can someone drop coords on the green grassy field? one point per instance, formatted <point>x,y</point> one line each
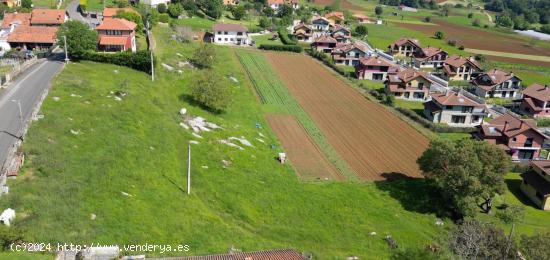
<point>266,39</point>
<point>136,146</point>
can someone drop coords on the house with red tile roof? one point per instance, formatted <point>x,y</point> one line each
<point>320,23</point>
<point>455,108</point>
<point>33,37</point>
<point>362,18</point>
<point>278,254</point>
<point>341,33</point>
<point>404,47</point>
<point>335,18</point>
<point>48,17</point>
<point>429,57</point>
<point>497,83</point>
<point>373,68</point>
<point>324,43</point>
<point>303,32</point>
<point>536,183</point>
<point>408,84</point>
<point>518,137</point>
<point>460,68</point>
<point>536,101</point>
<point>116,35</point>
<point>348,54</point>
<point>225,33</point>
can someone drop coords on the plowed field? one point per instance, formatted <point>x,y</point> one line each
<point>308,160</point>
<point>371,140</point>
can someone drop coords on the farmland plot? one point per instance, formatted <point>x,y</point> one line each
<point>371,139</point>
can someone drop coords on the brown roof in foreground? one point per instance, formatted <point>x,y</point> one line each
<point>457,61</point>
<point>48,16</point>
<point>324,39</point>
<point>375,61</point>
<point>21,18</point>
<point>514,125</point>
<point>542,165</point>
<point>536,181</point>
<point>454,98</point>
<point>33,34</point>
<point>281,254</point>
<point>407,75</point>
<point>403,41</point>
<point>116,24</point>
<point>538,91</point>
<point>229,27</point>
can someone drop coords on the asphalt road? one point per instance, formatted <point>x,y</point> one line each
<point>28,88</point>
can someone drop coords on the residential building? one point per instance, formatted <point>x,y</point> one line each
<point>116,34</point>
<point>518,137</point>
<point>460,68</point>
<point>497,83</point>
<point>373,68</point>
<point>341,33</point>
<point>324,43</point>
<point>275,4</point>
<point>303,32</point>
<point>536,101</point>
<point>154,3</point>
<point>11,3</point>
<point>362,18</point>
<point>319,23</point>
<point>278,254</point>
<point>404,47</point>
<point>17,31</point>
<point>429,57</point>
<point>408,84</point>
<point>348,54</point>
<point>335,18</point>
<point>536,183</point>
<point>405,8</point>
<point>48,17</point>
<point>455,108</point>
<point>230,34</point>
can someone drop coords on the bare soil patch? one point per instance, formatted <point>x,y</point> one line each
<point>367,136</point>
<point>474,38</point>
<point>306,157</point>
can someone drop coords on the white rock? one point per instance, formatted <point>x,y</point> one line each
<point>193,142</point>
<point>231,144</point>
<point>75,132</point>
<point>373,233</point>
<point>126,194</point>
<point>260,140</point>
<point>55,99</point>
<point>118,99</point>
<point>115,71</point>
<point>234,79</point>
<point>196,135</point>
<point>186,127</point>
<point>242,140</point>
<point>167,67</point>
<point>93,216</point>
<point>205,167</point>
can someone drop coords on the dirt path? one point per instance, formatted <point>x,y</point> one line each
<point>308,160</point>
<point>371,139</point>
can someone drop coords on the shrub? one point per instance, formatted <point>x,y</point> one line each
<point>470,15</point>
<point>283,35</point>
<point>211,91</point>
<point>476,22</point>
<point>140,60</point>
<point>461,47</point>
<point>175,10</point>
<point>80,39</point>
<point>272,47</point>
<point>378,10</point>
<point>164,18</point>
<point>361,30</point>
<point>204,56</point>
<point>452,42</point>
<point>162,8</point>
<point>439,35</point>
<point>427,19</point>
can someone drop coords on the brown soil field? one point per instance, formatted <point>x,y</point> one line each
<point>344,5</point>
<point>306,157</point>
<point>479,39</point>
<point>372,140</point>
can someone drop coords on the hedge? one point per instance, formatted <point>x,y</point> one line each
<point>327,60</point>
<point>140,60</point>
<point>283,35</point>
<point>439,128</point>
<point>272,47</point>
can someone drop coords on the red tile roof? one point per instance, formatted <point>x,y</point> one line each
<point>457,61</point>
<point>281,254</point>
<point>495,77</point>
<point>538,91</point>
<point>428,52</point>
<point>271,2</point>
<point>33,34</point>
<point>375,61</point>
<point>48,16</point>
<point>404,41</point>
<point>407,75</point>
<point>324,39</point>
<point>229,27</point>
<point>20,18</point>
<point>116,24</point>
<point>112,40</point>
<point>339,15</point>
<point>455,99</point>
<point>514,125</point>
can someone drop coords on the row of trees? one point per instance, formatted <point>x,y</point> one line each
<point>530,11</point>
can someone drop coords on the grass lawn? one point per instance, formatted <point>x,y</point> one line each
<point>266,39</point>
<point>454,136</point>
<point>136,146</point>
<point>97,5</point>
<point>46,3</point>
<point>196,22</point>
<point>26,256</point>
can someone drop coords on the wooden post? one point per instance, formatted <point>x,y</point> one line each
<point>189,169</point>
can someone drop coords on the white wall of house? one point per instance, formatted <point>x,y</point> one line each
<point>508,89</point>
<point>154,3</point>
<point>228,37</point>
<point>456,116</point>
<point>320,26</point>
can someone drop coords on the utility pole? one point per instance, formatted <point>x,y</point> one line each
<point>189,169</point>
<point>18,101</point>
<point>510,238</point>
<point>66,55</point>
<point>152,65</point>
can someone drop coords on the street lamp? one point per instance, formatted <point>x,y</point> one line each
<point>18,101</point>
<point>66,55</point>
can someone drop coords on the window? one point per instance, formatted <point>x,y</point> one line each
<point>514,139</point>
<point>528,142</point>
<point>225,33</point>
<point>466,109</point>
<point>449,107</point>
<point>458,119</point>
<point>420,85</point>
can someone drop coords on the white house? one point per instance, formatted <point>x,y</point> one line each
<point>319,23</point>
<point>230,34</point>
<point>154,3</point>
<point>497,83</point>
<point>456,109</point>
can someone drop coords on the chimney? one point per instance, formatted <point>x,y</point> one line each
<point>545,86</point>
<point>520,124</point>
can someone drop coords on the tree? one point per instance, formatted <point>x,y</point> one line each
<point>190,6</point>
<point>285,11</point>
<point>175,10</point>
<point>264,22</point>
<point>476,22</point>
<point>9,235</point>
<point>535,246</point>
<point>474,240</point>
<point>378,10</point>
<point>26,4</point>
<point>80,38</point>
<point>427,19</point>
<point>467,173</point>
<point>504,20</point>
<point>361,30</point>
<point>238,12</point>
<point>212,8</point>
<point>204,56</point>
<point>545,28</point>
<point>511,214</point>
<point>162,8</point>
<point>211,91</point>
<point>131,16</point>
<point>439,35</point>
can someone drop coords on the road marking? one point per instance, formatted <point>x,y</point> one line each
<point>14,88</point>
